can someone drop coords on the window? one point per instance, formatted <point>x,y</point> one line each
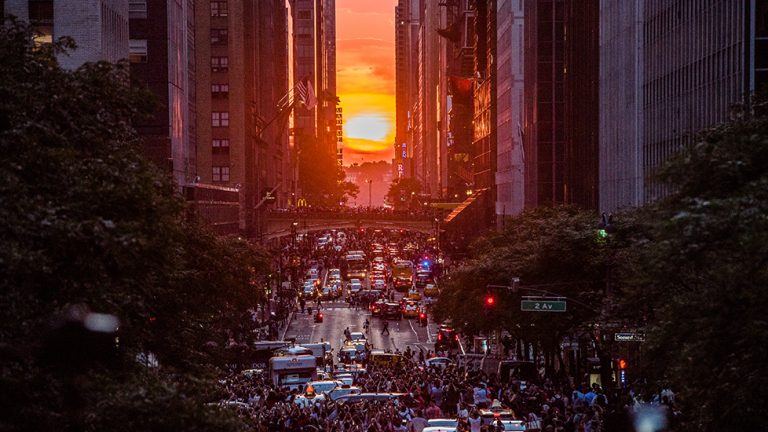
<point>219,146</point>
<point>219,8</point>
<point>137,50</point>
<point>219,36</point>
<point>219,90</point>
<point>220,174</point>
<point>220,119</point>
<point>219,64</point>
<point>137,9</point>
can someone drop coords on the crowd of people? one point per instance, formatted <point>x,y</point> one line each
<point>429,393</point>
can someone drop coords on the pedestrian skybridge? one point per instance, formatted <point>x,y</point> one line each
<point>279,224</point>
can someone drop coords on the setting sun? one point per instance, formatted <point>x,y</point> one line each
<point>374,127</point>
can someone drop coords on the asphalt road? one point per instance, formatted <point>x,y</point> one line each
<point>338,316</point>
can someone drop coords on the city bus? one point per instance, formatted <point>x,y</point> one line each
<point>402,275</point>
<point>357,267</point>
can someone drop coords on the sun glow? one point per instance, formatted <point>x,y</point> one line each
<point>373,127</point>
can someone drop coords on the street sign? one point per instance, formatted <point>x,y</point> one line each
<point>542,304</point>
<point>629,337</point>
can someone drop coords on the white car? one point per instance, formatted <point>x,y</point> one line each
<point>345,378</point>
<point>357,337</point>
<point>443,422</point>
<point>440,362</point>
<point>355,286</point>
<point>379,284</point>
<point>324,386</point>
<point>343,391</point>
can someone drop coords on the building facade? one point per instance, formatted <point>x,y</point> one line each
<point>98,27</point>
<point>670,69</point>
<point>162,56</point>
<point>510,191</point>
<point>621,120</point>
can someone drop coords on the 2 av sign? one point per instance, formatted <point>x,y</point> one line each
<point>532,304</point>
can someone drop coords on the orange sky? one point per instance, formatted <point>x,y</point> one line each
<point>365,77</point>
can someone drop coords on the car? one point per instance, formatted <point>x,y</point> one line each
<point>357,337</point>
<point>440,362</point>
<point>371,397</point>
<point>443,422</point>
<point>343,390</point>
<point>411,309</point>
<point>349,354</point>
<point>414,294</point>
<point>377,307</point>
<point>355,286</point>
<point>334,273</point>
<point>309,398</point>
<point>431,290</point>
<point>347,379</point>
<point>438,429</point>
<point>391,311</point>
<point>379,284</point>
<point>324,386</point>
<point>447,338</point>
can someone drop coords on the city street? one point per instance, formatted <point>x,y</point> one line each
<point>338,316</point>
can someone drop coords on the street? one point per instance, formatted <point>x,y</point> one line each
<point>338,316</point>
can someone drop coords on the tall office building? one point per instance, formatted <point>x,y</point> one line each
<point>561,109</point>
<point>426,147</point>
<point>510,192</point>
<point>456,58</point>
<point>314,61</point>
<point>581,118</point>
<point>162,56</point>
<point>484,132</point>
<point>240,76</point>
<point>98,27</point>
<point>407,25</point>
<point>621,102</point>
<point>671,69</point>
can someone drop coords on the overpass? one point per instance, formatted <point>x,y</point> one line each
<point>279,224</point>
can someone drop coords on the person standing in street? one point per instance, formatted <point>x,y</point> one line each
<point>385,328</point>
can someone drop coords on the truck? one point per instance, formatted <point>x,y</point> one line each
<point>293,372</point>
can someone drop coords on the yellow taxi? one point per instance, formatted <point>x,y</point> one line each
<point>431,290</point>
<point>411,309</point>
<point>414,294</point>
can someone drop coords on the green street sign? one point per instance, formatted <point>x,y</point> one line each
<point>532,304</point>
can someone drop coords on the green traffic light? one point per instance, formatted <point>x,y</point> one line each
<point>602,233</point>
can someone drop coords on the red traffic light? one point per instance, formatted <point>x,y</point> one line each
<point>490,300</point>
<point>622,364</point>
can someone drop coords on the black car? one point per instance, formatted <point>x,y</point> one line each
<point>391,311</point>
<point>447,339</point>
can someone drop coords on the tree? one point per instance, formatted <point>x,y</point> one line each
<point>403,191</point>
<point>554,249</point>
<point>696,273</point>
<point>89,225</point>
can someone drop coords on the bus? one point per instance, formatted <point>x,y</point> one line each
<point>293,372</point>
<point>357,267</point>
<point>402,275</point>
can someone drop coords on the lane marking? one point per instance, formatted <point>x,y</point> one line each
<point>414,330</point>
<point>429,335</point>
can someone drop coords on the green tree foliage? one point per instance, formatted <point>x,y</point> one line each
<point>697,273</point>
<point>403,191</point>
<point>86,221</point>
<point>552,249</point>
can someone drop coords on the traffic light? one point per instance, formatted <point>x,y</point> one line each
<point>490,300</point>
<point>622,364</point>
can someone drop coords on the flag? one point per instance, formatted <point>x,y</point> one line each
<point>305,94</point>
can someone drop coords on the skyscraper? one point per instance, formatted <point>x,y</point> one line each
<point>407,24</point>
<point>98,27</point>
<point>668,70</point>
<point>241,76</point>
<point>510,198</point>
<point>162,56</point>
